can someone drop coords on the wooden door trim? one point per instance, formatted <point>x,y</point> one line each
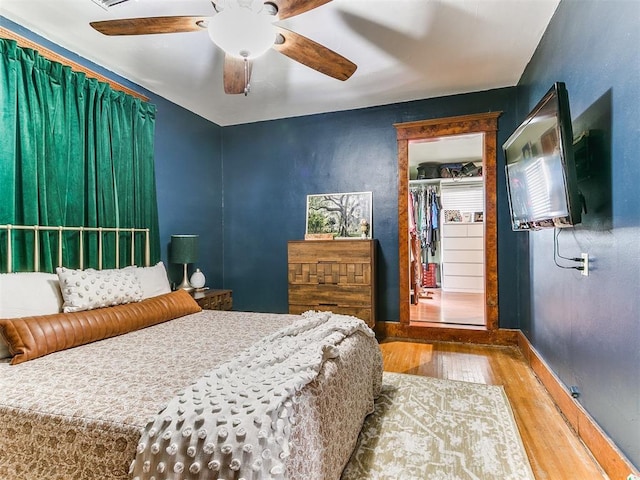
<point>487,124</point>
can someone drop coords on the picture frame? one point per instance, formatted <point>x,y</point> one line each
<point>452,216</point>
<point>478,217</point>
<point>339,215</point>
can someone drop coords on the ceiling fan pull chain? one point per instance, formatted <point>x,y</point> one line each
<point>246,77</point>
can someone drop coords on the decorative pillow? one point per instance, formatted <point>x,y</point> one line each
<point>89,289</point>
<point>154,280</point>
<point>27,294</point>
<point>33,337</point>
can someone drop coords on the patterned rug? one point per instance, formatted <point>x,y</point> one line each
<point>428,428</point>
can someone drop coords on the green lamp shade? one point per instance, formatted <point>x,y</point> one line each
<point>184,248</point>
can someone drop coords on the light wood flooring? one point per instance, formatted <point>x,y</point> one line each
<point>554,450</point>
<point>436,307</point>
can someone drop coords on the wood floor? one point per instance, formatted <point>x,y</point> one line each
<point>438,307</point>
<point>554,450</point>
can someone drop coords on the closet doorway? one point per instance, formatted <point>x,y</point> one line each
<point>448,263</point>
<point>446,231</point>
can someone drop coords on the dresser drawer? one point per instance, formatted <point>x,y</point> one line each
<point>330,295</point>
<point>330,273</point>
<point>463,269</point>
<point>463,256</point>
<point>358,312</point>
<point>331,251</point>
<point>476,230</point>
<point>455,283</point>
<point>451,230</point>
<point>463,243</point>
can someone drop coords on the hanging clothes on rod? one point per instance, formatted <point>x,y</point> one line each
<point>425,203</point>
<point>424,206</point>
<point>415,250</point>
<point>434,216</point>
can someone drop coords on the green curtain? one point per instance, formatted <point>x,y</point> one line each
<point>73,152</point>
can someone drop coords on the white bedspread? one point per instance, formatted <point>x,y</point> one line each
<point>252,399</point>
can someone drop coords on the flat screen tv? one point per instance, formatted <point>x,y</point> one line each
<point>540,168</point>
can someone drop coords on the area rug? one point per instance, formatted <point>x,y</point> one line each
<point>428,428</point>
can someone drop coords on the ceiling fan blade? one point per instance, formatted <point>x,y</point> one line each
<point>291,8</point>
<point>313,55</point>
<point>150,25</point>
<point>236,79</point>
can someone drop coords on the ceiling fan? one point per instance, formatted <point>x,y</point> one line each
<point>244,29</point>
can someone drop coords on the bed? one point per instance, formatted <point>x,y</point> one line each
<point>165,390</point>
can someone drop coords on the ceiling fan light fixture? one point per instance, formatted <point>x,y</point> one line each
<point>242,32</point>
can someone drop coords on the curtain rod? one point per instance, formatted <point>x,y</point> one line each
<point>53,56</point>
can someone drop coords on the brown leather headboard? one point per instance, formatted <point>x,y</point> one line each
<point>33,337</point>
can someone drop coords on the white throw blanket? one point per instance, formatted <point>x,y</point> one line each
<point>235,422</point>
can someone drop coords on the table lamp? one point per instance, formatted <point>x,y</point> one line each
<point>184,250</point>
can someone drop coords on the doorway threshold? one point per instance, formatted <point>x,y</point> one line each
<point>443,325</point>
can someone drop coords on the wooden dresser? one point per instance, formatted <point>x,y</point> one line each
<point>463,257</point>
<point>335,275</point>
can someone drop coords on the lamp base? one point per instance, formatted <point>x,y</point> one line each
<point>185,285</point>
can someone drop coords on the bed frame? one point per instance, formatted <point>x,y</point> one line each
<point>39,231</point>
<point>109,414</point>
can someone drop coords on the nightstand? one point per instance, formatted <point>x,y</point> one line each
<point>214,299</point>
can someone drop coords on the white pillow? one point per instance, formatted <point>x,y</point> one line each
<point>27,294</point>
<point>154,280</point>
<point>89,289</point>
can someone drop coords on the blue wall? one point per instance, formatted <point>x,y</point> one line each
<point>189,185</point>
<point>188,169</point>
<point>588,328</point>
<point>270,168</point>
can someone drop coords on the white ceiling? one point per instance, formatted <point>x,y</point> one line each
<point>405,50</point>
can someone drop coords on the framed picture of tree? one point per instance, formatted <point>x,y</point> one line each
<point>339,215</point>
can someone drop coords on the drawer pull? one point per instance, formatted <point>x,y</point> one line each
<point>328,304</point>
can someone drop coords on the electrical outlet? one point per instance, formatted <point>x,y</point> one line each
<point>585,264</point>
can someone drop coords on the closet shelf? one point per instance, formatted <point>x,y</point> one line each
<point>425,181</point>
<point>438,181</point>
